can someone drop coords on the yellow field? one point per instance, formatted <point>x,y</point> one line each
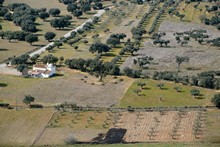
<point>22,127</point>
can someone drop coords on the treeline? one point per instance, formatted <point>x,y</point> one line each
<point>183,38</point>
<point>94,67</point>
<point>207,79</point>
<point>77,8</point>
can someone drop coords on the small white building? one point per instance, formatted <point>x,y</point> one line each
<point>43,71</point>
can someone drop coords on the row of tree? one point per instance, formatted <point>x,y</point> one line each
<point>19,35</point>
<point>94,67</point>
<point>204,79</point>
<point>77,8</point>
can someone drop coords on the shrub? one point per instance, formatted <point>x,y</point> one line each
<point>216,100</point>
<point>4,105</point>
<point>71,140</point>
<point>36,106</point>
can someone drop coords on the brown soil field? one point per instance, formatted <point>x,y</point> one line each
<point>22,127</point>
<point>139,126</point>
<point>73,87</point>
<point>202,57</point>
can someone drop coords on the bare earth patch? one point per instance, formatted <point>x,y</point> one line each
<point>202,57</point>
<point>138,126</point>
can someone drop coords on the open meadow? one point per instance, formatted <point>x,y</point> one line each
<point>71,86</point>
<point>17,48</point>
<point>125,76</point>
<point>22,127</point>
<point>151,95</point>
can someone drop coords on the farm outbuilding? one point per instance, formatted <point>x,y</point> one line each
<point>43,71</point>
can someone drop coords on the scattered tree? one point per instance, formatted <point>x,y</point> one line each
<point>31,38</point>
<point>195,92</point>
<point>99,47</point>
<point>180,60</point>
<point>160,85</point>
<point>49,36</point>
<point>28,100</point>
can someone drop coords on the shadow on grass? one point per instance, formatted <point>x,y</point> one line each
<point>146,88</point>
<point>141,94</point>
<point>58,75</point>
<point>3,49</point>
<point>200,96</point>
<point>109,54</point>
<point>3,85</point>
<point>82,18</point>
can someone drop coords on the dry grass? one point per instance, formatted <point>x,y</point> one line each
<point>201,56</point>
<point>192,14</point>
<point>81,120</point>
<point>213,126</point>
<point>151,94</point>
<point>83,51</point>
<point>70,88</point>
<point>65,125</point>
<point>11,49</point>
<point>22,127</point>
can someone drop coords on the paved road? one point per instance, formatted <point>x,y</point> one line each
<point>12,71</point>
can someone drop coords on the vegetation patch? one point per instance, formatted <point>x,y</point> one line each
<point>161,93</point>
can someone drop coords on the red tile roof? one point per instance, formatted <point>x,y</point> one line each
<point>40,65</point>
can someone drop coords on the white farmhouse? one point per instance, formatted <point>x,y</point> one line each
<point>43,71</point>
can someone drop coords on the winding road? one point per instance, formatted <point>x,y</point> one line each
<point>12,71</point>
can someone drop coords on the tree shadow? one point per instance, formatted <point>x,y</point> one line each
<point>200,96</point>
<point>164,88</point>
<point>146,88</point>
<point>57,75</point>
<point>3,85</point>
<point>37,24</point>
<point>141,94</point>
<point>82,18</point>
<point>3,49</point>
<point>38,45</point>
<point>109,54</point>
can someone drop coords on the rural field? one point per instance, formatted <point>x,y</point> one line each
<point>201,56</point>
<point>151,95</point>
<point>10,49</point>
<point>121,73</point>
<point>80,88</point>
<point>22,127</point>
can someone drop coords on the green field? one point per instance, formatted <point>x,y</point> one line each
<point>151,94</point>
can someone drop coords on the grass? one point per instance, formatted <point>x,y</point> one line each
<point>22,127</point>
<point>80,121</point>
<point>213,126</point>
<point>149,145</point>
<point>83,51</point>
<point>151,94</point>
<point>68,51</point>
<point>69,87</point>
<point>192,14</point>
<point>18,48</point>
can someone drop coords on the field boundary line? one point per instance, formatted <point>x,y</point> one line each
<point>41,132</point>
